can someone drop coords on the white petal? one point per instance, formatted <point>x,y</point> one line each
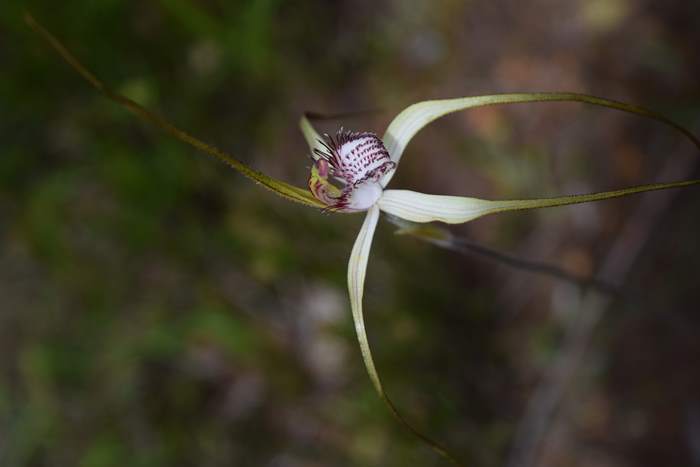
<point>357,267</point>
<point>419,207</point>
<point>412,119</point>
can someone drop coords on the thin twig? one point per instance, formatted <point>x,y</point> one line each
<point>546,399</point>
<point>444,239</point>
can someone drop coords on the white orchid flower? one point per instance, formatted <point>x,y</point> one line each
<point>363,164</point>
<point>350,173</point>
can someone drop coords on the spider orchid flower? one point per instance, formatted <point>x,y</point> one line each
<point>358,161</point>
<point>363,165</point>
<point>350,173</point>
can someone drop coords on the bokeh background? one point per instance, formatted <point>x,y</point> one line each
<point>157,309</point>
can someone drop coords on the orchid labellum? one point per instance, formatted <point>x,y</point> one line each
<point>350,172</point>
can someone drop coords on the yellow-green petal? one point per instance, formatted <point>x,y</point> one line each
<point>421,207</point>
<point>415,117</point>
<point>313,139</point>
<point>284,189</point>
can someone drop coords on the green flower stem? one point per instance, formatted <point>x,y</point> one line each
<point>290,192</point>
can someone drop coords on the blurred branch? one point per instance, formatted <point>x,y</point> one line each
<point>443,238</point>
<point>542,408</point>
<point>600,292</point>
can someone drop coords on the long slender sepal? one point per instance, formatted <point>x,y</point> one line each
<point>421,207</point>
<point>291,192</point>
<point>357,268</point>
<point>415,117</point>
